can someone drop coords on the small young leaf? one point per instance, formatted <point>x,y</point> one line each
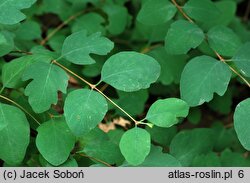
<point>42,90</point>
<point>242,59</point>
<point>83,110</point>
<point>202,11</point>
<point>182,36</point>
<point>155,12</point>
<point>55,141</point>
<point>15,134</point>
<point>77,47</point>
<point>201,78</point>
<point>130,71</point>
<point>165,113</point>
<point>223,40</point>
<point>241,123</point>
<point>135,145</point>
<point>10,10</point>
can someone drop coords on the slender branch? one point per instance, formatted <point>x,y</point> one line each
<point>95,159</point>
<point>181,11</point>
<point>59,27</point>
<point>21,51</point>
<point>232,69</point>
<point>94,88</point>
<point>74,74</point>
<point>111,101</point>
<point>217,54</point>
<point>9,100</point>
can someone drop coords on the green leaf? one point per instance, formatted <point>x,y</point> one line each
<point>12,72</point>
<point>228,8</point>
<point>15,134</point>
<point>171,65</point>
<point>104,150</point>
<point>157,158</point>
<point>117,18</point>
<point>47,80</point>
<point>223,40</point>
<point>155,12</point>
<point>188,144</point>
<point>83,110</point>
<point>10,10</point>
<point>233,159</point>
<point>222,104</point>
<point>77,47</point>
<point>182,36</point>
<point>135,145</point>
<point>201,78</point>
<point>241,122</point>
<point>242,59</point>
<point>92,22</point>
<point>71,162</point>
<point>202,11</point>
<point>29,30</point>
<point>165,112</point>
<point>130,71</point>
<point>224,138</point>
<point>206,160</point>
<point>55,141</point>
<point>6,42</point>
<point>162,136</point>
<point>150,33</point>
<point>133,103</point>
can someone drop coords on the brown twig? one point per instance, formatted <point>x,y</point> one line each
<point>181,11</point>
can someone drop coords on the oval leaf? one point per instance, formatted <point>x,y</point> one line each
<point>83,110</point>
<point>223,40</point>
<point>201,78</point>
<point>182,36</point>
<point>203,11</point>
<point>15,134</point>
<point>165,113</point>
<point>241,123</point>
<point>77,47</point>
<point>135,145</point>
<point>55,141</point>
<point>156,12</point>
<point>130,71</point>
